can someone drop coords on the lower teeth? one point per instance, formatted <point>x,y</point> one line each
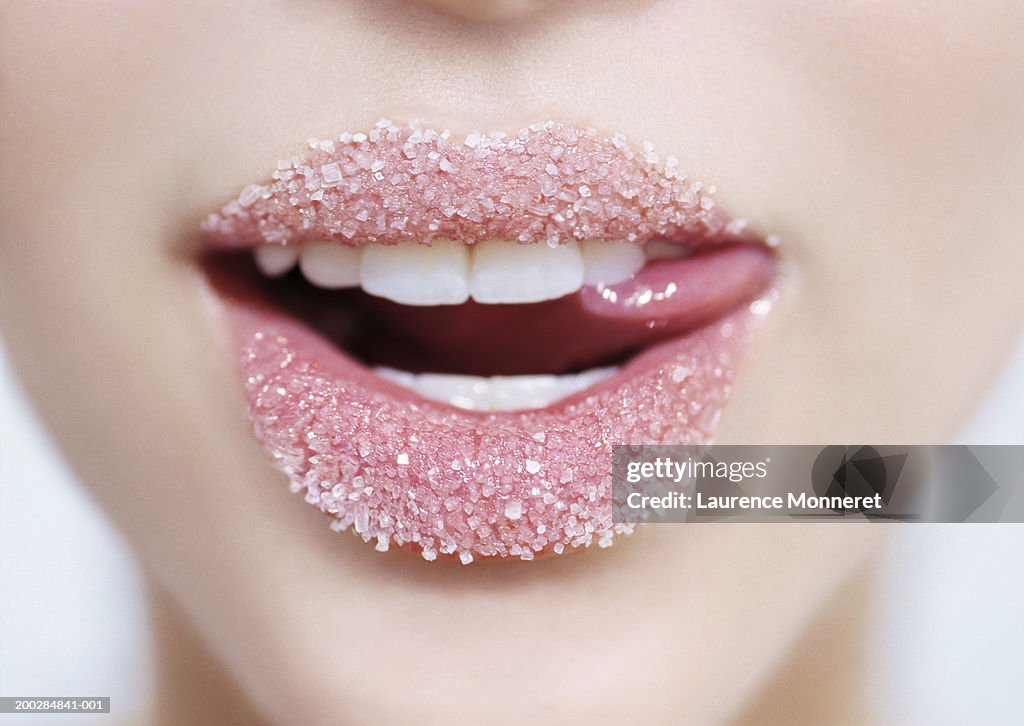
<point>496,393</point>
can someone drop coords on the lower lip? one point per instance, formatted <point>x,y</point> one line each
<point>399,470</point>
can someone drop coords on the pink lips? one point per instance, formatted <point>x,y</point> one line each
<point>550,182</point>
<point>400,470</point>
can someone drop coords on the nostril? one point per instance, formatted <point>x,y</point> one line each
<point>487,9</point>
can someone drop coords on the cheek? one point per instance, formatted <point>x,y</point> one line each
<point>882,142</point>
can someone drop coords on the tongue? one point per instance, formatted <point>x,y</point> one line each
<point>590,328</point>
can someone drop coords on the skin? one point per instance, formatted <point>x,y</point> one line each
<point>881,141</point>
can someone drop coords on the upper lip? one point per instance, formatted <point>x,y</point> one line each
<point>550,182</point>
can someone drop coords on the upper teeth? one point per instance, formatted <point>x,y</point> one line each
<point>414,274</point>
<point>606,264</point>
<point>449,273</point>
<point>276,260</point>
<point>513,273</point>
<point>330,266</point>
<point>662,249</point>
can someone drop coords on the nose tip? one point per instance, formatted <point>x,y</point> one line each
<point>487,9</point>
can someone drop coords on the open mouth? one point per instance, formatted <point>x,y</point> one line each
<point>442,338</point>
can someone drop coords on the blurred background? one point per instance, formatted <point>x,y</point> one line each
<point>946,648</point>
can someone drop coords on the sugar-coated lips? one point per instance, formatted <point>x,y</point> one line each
<point>400,468</point>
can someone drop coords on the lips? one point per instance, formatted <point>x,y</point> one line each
<point>440,338</point>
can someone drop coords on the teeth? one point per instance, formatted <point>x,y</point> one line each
<point>275,260</point>
<point>606,263</point>
<point>330,265</point>
<point>497,393</point>
<point>449,273</point>
<point>662,249</point>
<point>504,272</point>
<point>414,274</point>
